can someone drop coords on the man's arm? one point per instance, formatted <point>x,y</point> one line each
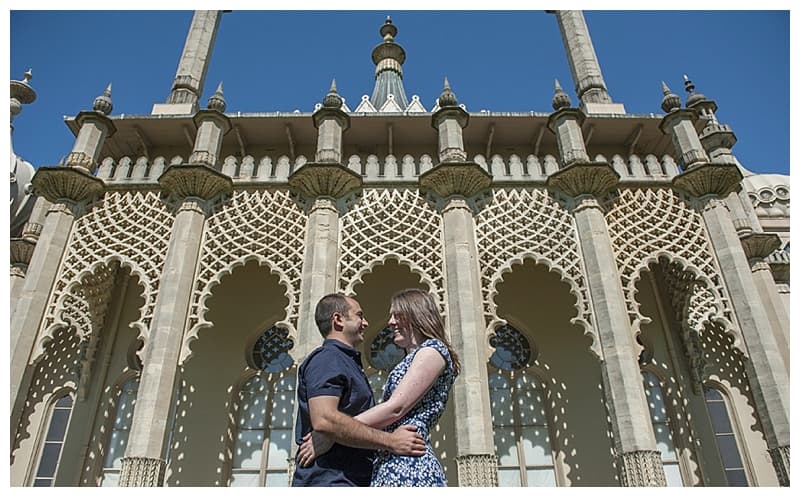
<point>328,420</point>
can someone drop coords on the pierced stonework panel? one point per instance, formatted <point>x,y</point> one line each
<point>517,224</point>
<point>391,223</point>
<point>646,224</point>
<point>264,225</point>
<point>127,228</point>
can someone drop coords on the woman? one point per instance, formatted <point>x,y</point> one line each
<point>415,393</point>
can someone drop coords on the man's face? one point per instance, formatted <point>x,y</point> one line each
<point>354,324</point>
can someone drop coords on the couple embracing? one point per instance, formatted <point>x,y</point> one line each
<point>343,437</point>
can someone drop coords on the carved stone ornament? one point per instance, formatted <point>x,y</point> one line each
<point>316,179</point>
<point>142,472</point>
<point>60,182</point>
<point>477,470</point>
<point>709,179</point>
<point>21,250</point>
<point>91,115</point>
<point>780,461</point>
<point>456,178</point>
<point>759,245</point>
<point>194,180</point>
<point>582,178</point>
<point>642,468</point>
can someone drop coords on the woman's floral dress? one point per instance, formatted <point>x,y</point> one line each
<point>426,471</point>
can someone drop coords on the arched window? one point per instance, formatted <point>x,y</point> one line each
<point>519,414</point>
<point>264,407</point>
<point>383,356</point>
<point>118,439</point>
<point>726,439</point>
<point>50,454</point>
<point>660,419</point>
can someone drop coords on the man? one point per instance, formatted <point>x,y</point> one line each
<point>331,388</point>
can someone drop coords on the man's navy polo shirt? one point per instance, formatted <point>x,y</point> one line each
<point>333,369</point>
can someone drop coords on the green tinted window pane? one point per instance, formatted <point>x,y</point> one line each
<point>110,479</point>
<point>43,482</point>
<point>277,479</point>
<point>536,447</point>
<point>283,404</point>
<point>65,402</point>
<point>49,460</point>
<point>506,447</point>
<point>736,477</point>
<point>719,417</point>
<point>58,425</point>
<point>545,477</point>
<point>508,477</point>
<point>280,444</point>
<point>116,449</point>
<point>664,442</point>
<point>673,474</point>
<point>729,451</point>
<point>252,411</point>
<point>498,381</point>
<point>248,450</point>
<point>713,395</point>
<point>244,479</point>
<point>501,407</point>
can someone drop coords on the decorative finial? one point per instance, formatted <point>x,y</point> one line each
<point>21,93</point>
<point>217,100</point>
<point>27,76</point>
<point>332,100</point>
<point>670,101</point>
<point>560,100</point>
<point>447,98</point>
<point>693,97</point>
<point>388,30</point>
<point>103,104</point>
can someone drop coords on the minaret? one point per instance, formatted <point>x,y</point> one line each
<point>21,171</point>
<point>589,84</point>
<point>388,58</point>
<point>191,75</point>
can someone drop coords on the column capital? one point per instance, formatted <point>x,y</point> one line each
<point>780,461</point>
<point>477,470</point>
<point>195,180</point>
<point>21,250</point>
<point>760,245</point>
<point>142,472</point>
<point>708,178</point>
<point>456,178</point>
<point>641,468</point>
<point>584,178</point>
<point>58,183</point>
<point>324,179</point>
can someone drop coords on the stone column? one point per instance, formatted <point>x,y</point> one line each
<point>197,186</point>
<point>710,182</point>
<point>638,461</point>
<point>195,58</point>
<point>22,248</point>
<point>71,189</point>
<point>455,180</point>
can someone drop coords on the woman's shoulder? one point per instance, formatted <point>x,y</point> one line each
<point>438,346</point>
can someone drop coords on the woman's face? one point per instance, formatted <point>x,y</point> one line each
<point>402,338</point>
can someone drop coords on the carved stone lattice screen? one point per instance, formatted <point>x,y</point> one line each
<point>648,223</point>
<point>517,224</point>
<point>265,225</point>
<point>131,229</point>
<point>391,223</point>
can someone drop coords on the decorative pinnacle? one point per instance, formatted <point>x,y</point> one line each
<point>21,93</point>
<point>103,104</point>
<point>27,77</point>
<point>217,100</point>
<point>560,100</point>
<point>693,97</point>
<point>670,101</point>
<point>332,100</point>
<point>388,30</point>
<point>447,98</point>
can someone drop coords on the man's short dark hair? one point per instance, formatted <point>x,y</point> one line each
<point>327,307</point>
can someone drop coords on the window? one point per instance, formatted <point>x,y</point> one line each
<point>265,403</point>
<point>726,439</point>
<point>118,440</point>
<point>661,428</point>
<point>53,442</point>
<point>519,414</point>
<point>384,355</point>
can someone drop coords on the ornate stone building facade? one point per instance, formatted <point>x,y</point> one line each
<point>617,287</point>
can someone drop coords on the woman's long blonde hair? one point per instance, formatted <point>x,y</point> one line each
<point>415,309</point>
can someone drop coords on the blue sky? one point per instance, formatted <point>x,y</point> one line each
<point>500,61</point>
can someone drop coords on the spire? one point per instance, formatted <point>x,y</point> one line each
<point>103,102</point>
<point>217,100</point>
<point>447,97</point>
<point>388,58</point>
<point>670,101</point>
<point>332,100</point>
<point>190,77</point>
<point>560,100</point>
